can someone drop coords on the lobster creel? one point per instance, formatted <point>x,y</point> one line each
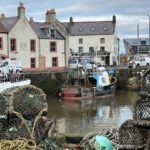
<point>27,100</point>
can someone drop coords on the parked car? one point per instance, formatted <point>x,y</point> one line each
<point>139,62</point>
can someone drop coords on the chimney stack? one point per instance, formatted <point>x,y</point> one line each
<point>50,16</point>
<point>114,19</point>
<point>2,16</point>
<point>31,19</point>
<point>71,20</point>
<point>21,11</point>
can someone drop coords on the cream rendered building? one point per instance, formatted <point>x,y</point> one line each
<point>18,35</point>
<point>37,44</point>
<point>46,45</point>
<point>51,43</point>
<point>97,36</point>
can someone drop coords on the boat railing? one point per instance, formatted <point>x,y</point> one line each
<point>3,77</point>
<point>16,77</point>
<point>11,77</point>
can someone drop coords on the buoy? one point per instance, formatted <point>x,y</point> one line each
<point>102,142</point>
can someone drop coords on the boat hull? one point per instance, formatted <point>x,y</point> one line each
<point>80,93</point>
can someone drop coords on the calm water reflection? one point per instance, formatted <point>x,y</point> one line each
<point>88,116</point>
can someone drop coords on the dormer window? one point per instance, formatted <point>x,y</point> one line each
<point>93,29</point>
<point>52,33</point>
<point>80,29</point>
<point>105,28</point>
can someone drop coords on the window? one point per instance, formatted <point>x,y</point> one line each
<point>102,40</point>
<point>32,45</point>
<point>105,28</point>
<point>91,49</point>
<point>53,46</point>
<point>80,29</point>
<point>143,42</point>
<point>92,29</point>
<point>80,41</point>
<point>1,43</point>
<point>102,48</point>
<point>54,62</point>
<point>52,33</point>
<point>80,49</point>
<point>33,62</point>
<point>13,44</point>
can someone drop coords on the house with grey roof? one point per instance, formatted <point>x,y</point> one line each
<point>136,46</point>
<point>94,37</point>
<point>38,45</point>
<point>47,45</point>
<point>15,42</point>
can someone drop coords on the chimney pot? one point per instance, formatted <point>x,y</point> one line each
<point>114,19</point>
<point>31,19</point>
<point>50,15</point>
<point>2,15</point>
<point>21,4</point>
<point>71,20</point>
<point>21,10</point>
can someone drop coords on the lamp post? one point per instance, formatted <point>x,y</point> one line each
<point>149,33</point>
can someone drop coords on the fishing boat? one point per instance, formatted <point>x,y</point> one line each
<point>8,81</point>
<point>11,75</point>
<point>89,83</point>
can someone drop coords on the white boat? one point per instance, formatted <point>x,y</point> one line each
<point>11,74</point>
<point>8,81</point>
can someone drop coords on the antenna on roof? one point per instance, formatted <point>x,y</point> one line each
<point>138,30</point>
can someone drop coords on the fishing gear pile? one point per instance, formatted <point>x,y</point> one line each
<point>23,119</point>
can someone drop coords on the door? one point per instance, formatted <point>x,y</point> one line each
<point>42,63</point>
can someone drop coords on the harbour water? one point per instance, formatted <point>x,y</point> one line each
<point>92,115</point>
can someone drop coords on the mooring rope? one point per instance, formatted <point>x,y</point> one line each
<point>23,143</point>
<point>19,144</point>
<point>37,119</point>
<point>23,122</point>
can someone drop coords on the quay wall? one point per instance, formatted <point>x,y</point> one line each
<point>50,83</point>
<point>122,77</point>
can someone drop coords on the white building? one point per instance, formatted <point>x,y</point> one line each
<point>46,45</point>
<point>94,37</point>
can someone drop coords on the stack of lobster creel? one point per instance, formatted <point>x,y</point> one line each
<point>19,108</point>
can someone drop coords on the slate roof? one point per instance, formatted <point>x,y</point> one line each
<point>76,29</point>
<point>8,22</point>
<point>91,28</point>
<point>41,29</point>
<point>2,29</point>
<point>135,41</point>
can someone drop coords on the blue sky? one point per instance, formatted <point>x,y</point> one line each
<point>128,12</point>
